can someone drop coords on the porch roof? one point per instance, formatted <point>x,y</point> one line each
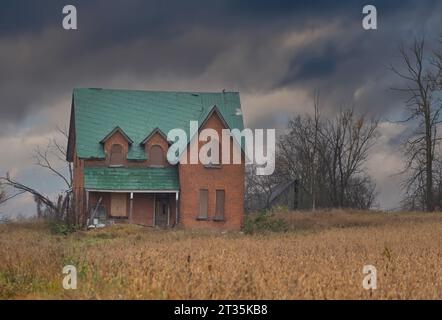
<point>133,179</point>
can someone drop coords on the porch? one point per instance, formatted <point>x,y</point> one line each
<point>140,207</point>
<point>145,196</point>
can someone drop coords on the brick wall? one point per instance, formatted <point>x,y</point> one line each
<point>78,188</point>
<point>142,212</point>
<point>230,178</point>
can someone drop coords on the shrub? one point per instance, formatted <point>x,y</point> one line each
<point>264,222</point>
<point>59,228</point>
<point>279,208</point>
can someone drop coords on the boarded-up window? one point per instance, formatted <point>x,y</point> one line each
<point>116,155</point>
<point>204,204</point>
<point>118,204</point>
<point>156,156</point>
<point>220,200</point>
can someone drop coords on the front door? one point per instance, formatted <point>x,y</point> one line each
<point>162,210</point>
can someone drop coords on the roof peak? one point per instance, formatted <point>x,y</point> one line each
<point>115,130</point>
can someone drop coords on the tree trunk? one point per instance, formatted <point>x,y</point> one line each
<point>429,161</point>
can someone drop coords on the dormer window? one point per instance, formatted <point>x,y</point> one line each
<point>116,152</point>
<point>116,158</point>
<point>157,156</point>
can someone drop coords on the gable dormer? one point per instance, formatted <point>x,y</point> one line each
<point>156,147</point>
<point>116,146</point>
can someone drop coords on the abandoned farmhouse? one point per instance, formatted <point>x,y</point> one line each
<point>118,146</point>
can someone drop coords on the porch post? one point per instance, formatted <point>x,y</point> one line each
<point>88,217</point>
<point>176,208</point>
<point>154,208</point>
<point>131,201</point>
<point>168,214</point>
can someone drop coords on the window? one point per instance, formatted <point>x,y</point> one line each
<point>220,199</point>
<point>156,156</point>
<point>118,205</point>
<point>100,213</point>
<point>203,204</point>
<point>116,155</point>
<point>217,160</point>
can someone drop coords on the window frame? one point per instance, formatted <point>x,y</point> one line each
<point>200,204</point>
<point>122,199</point>
<point>218,216</point>
<point>112,152</point>
<point>163,158</point>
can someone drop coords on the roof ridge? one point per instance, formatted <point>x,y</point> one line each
<point>155,91</point>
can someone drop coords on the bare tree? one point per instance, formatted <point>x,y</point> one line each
<point>296,154</point>
<point>2,195</point>
<point>52,153</point>
<point>437,63</point>
<point>259,188</point>
<point>327,158</point>
<point>347,142</point>
<point>49,159</point>
<point>422,110</point>
<point>316,121</point>
<point>10,182</point>
<point>362,192</point>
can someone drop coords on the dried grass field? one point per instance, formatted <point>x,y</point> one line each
<point>314,256</point>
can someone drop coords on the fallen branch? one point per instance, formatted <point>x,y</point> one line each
<point>8,181</point>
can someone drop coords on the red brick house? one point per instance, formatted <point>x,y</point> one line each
<point>118,146</point>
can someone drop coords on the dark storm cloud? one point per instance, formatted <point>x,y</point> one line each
<point>24,16</point>
<point>308,65</point>
<point>39,61</point>
<point>352,67</point>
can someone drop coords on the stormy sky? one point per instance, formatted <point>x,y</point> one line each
<point>275,53</point>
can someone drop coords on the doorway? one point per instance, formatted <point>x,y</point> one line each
<point>162,210</point>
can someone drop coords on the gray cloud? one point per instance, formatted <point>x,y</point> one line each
<point>274,52</point>
<point>180,38</point>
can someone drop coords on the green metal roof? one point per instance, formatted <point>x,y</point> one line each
<point>107,178</point>
<point>99,111</point>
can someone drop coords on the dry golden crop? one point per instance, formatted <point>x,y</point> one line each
<point>320,257</point>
